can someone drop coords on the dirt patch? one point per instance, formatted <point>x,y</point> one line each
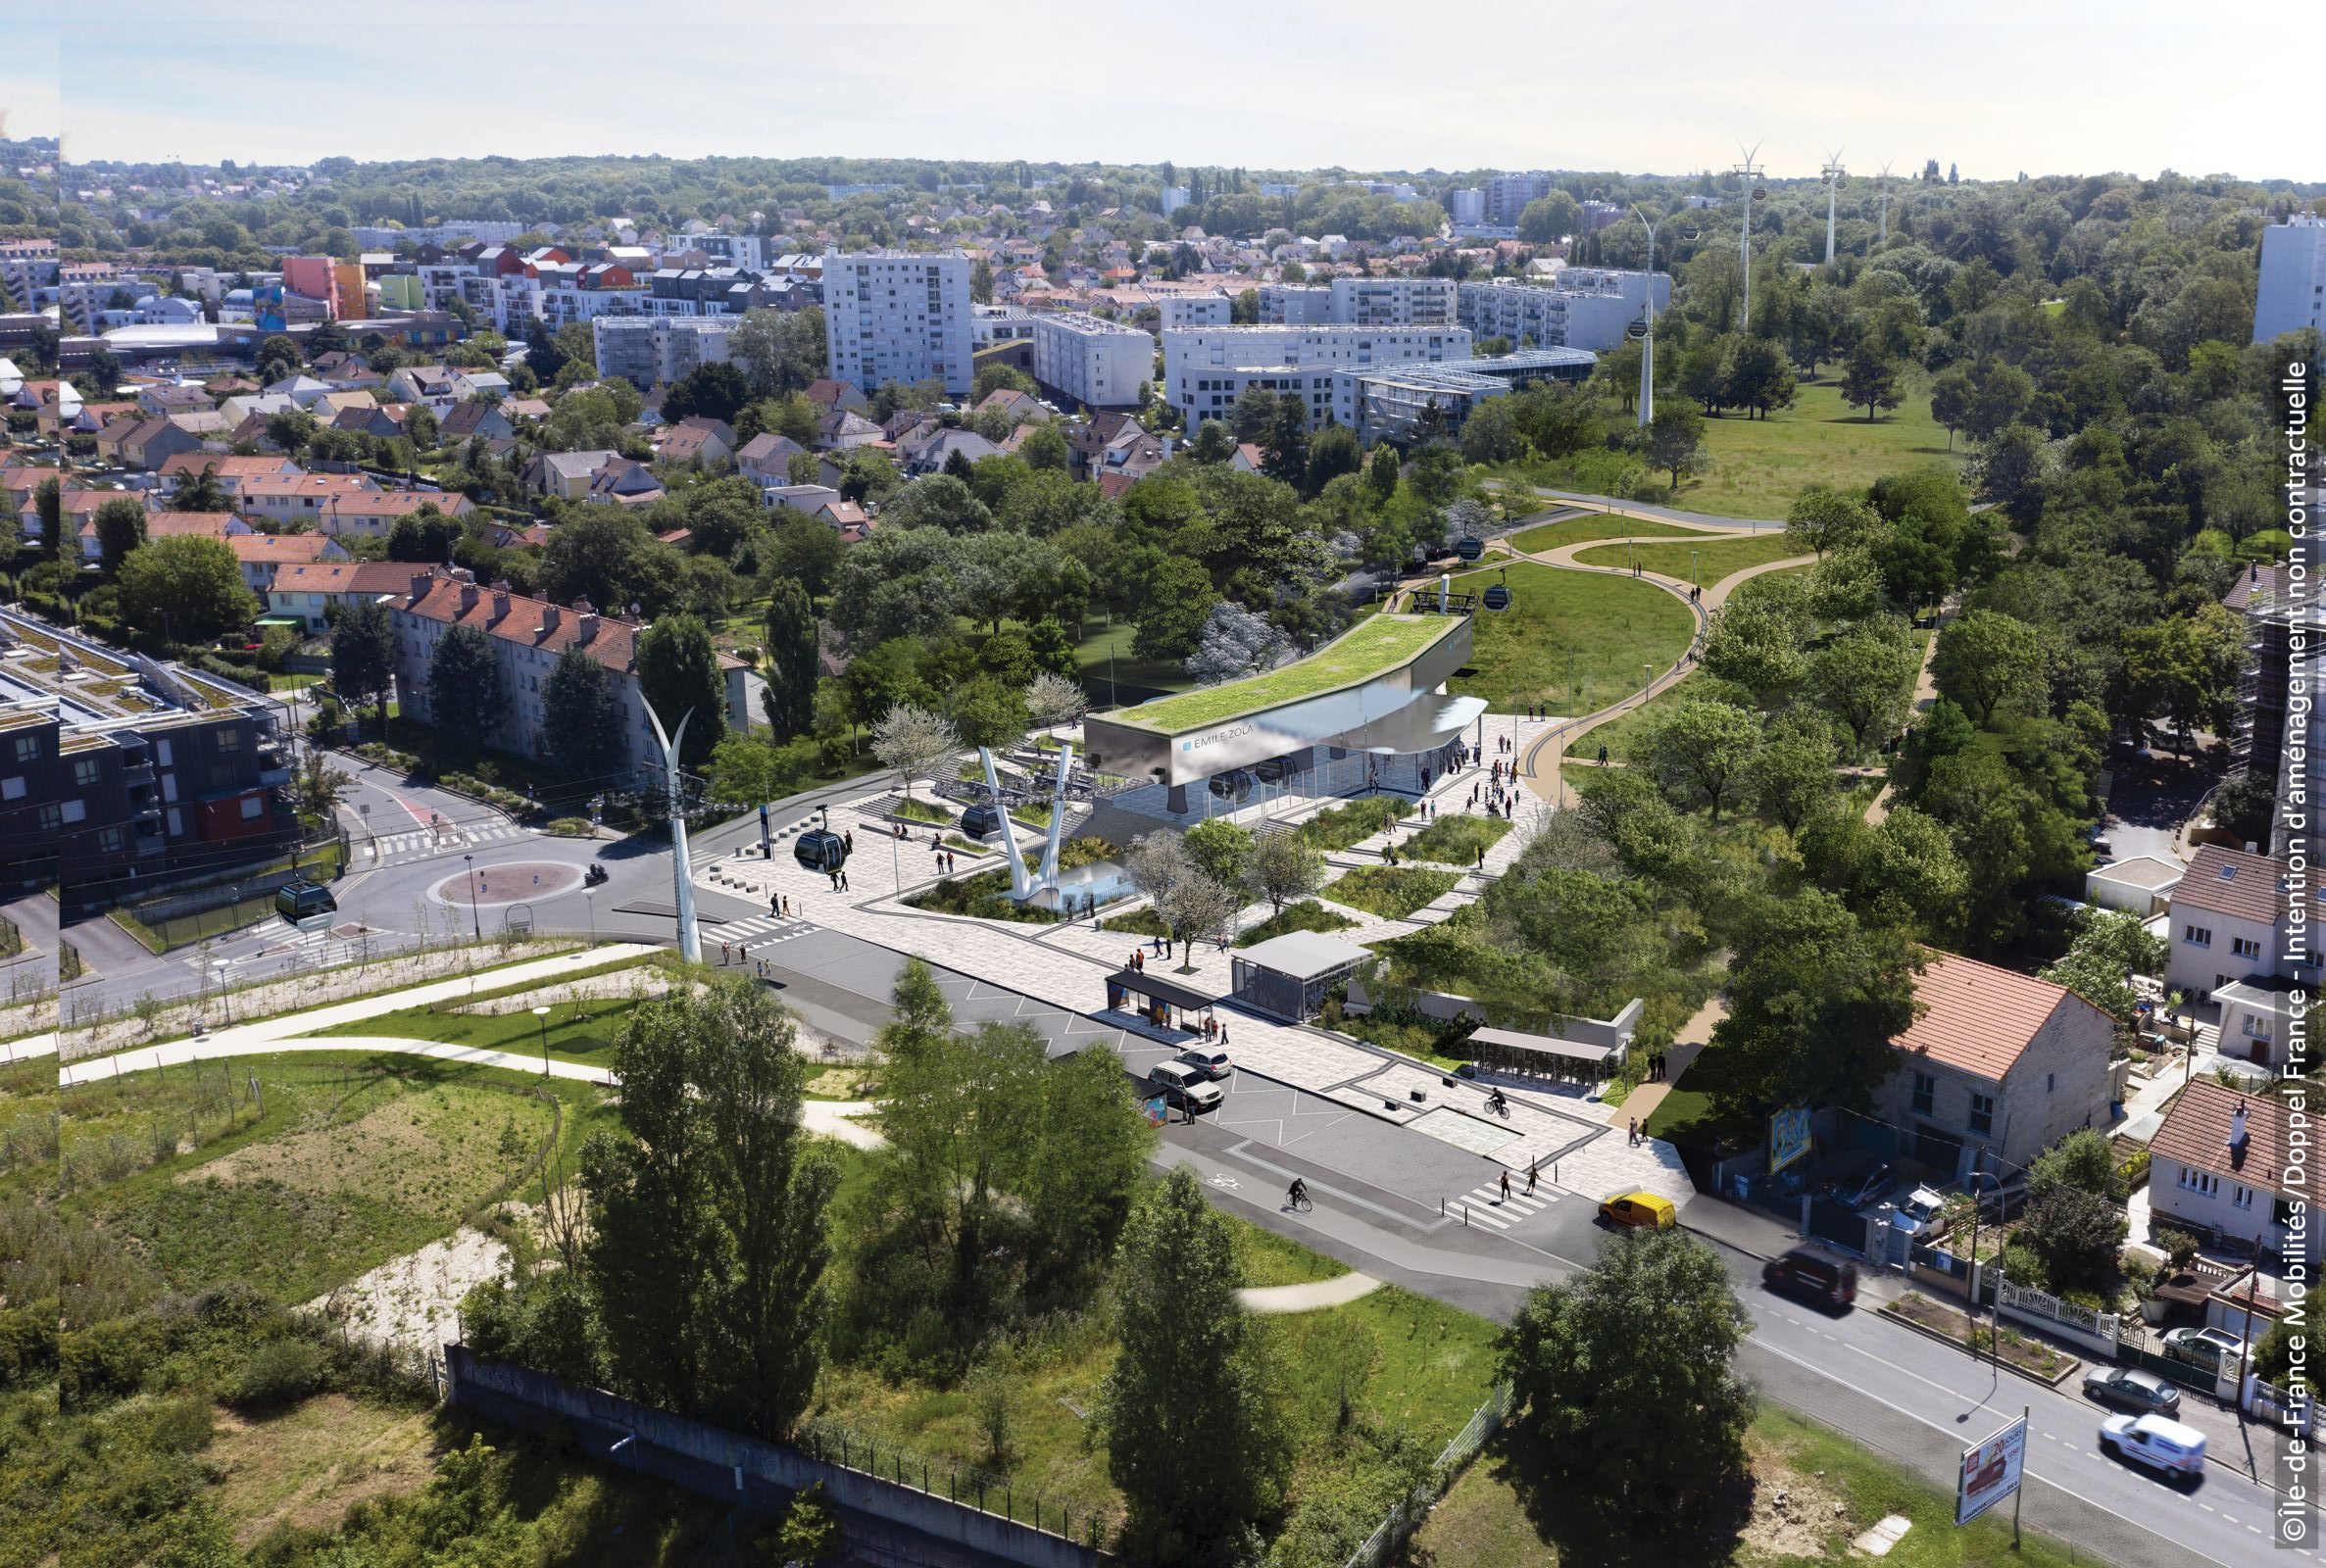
<point>413,1301</point>
<point>1795,1513</point>
<point>309,1465</point>
<point>431,1151</point>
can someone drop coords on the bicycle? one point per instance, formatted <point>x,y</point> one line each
<point>1299,1200</point>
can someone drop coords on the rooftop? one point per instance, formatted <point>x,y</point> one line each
<point>1978,1018</point>
<point>1372,647</point>
<point>2196,1132</point>
<point>2230,882</point>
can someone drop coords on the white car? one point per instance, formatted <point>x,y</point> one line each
<point>1919,1211</point>
<point>2171,1450</point>
<point>2216,1350</point>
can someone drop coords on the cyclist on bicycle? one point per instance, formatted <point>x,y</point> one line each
<point>1298,1194</point>
<point>1496,1102</point>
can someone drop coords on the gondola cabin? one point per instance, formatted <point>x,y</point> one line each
<point>982,822</point>
<point>302,904</point>
<point>820,851</point>
<point>1497,597</point>
<point>1469,549</point>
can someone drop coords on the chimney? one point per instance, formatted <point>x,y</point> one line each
<point>500,605</point>
<point>2237,1128</point>
<point>585,626</point>
<point>551,615</point>
<point>468,593</point>
<point>420,581</point>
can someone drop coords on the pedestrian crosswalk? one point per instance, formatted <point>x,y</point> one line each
<point>451,836</point>
<point>757,932</point>
<point>1485,1204</point>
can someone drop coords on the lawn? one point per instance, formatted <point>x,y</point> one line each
<point>1759,466</point>
<point>1341,827</point>
<point>1368,649</point>
<point>1114,675</point>
<point>1596,525</point>
<point>1507,1512</point>
<point>1702,564</point>
<point>1306,916</point>
<point>1455,840</point>
<point>1391,891</point>
<point>579,1030</point>
<point>1571,640</point>
<point>340,1163</point>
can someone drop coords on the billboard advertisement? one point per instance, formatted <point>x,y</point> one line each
<point>1787,1137</point>
<point>1990,1472</point>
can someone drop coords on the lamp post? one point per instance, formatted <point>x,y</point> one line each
<point>476,922</point>
<point>1647,339</point>
<point>542,1012</point>
<point>589,895</point>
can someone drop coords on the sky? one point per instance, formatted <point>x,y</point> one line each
<point>2038,85</point>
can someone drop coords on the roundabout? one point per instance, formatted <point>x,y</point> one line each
<point>499,886</point>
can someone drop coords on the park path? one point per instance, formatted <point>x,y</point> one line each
<point>1542,762</point>
<point>1339,1290</point>
<point>1925,694</point>
<point>1641,511</point>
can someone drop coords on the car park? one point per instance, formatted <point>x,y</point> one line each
<point>2157,1442</point>
<point>1648,1211</point>
<point>1802,1272</point>
<point>1210,1060</point>
<point>2216,1350</point>
<point>1183,1087</point>
<point>2138,1392</point>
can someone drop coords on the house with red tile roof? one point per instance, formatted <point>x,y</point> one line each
<point>164,526</point>
<point>308,590</point>
<point>229,468</point>
<point>2218,1166</point>
<point>2228,918</point>
<point>529,636</point>
<point>263,555</point>
<point>375,513</point>
<point>1996,1067</point>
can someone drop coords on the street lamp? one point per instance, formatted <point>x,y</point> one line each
<point>475,923</point>
<point>542,1012</point>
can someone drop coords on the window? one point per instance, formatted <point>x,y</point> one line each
<point>1925,1091</point>
<point>229,739</point>
<point>2257,1028</point>
<point>2245,947</point>
<point>84,772</point>
<point>27,748</point>
<point>1982,1115</point>
<point>2204,1183</point>
<point>75,810</point>
<point>2241,1195</point>
<point>2198,936</point>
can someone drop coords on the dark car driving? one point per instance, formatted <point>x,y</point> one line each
<point>2140,1393</point>
<point>1802,1272</point>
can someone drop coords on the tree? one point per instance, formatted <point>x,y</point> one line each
<point>715,390</point>
<point>1174,603</point>
<point>1626,1374</point>
<point>198,490</point>
<point>1823,518</point>
<point>581,726</point>
<point>1284,867</point>
<point>364,654</point>
<point>2000,395</point>
<point>1199,1462</point>
<point>464,690</point>
<point>2077,1234</point>
<point>48,502</point>
<point>2185,669</point>
<point>794,648</point>
<point>318,788</point>
<point>1870,379</point>
<point>2110,948</point>
<point>1810,985</point>
<point>120,528</point>
<point>914,741</point>
<point>1550,219</point>
<point>1791,777</point>
<point>1052,700</point>
<point>1045,451</point>
<point>1755,376</point>
<point>188,586</point>
<point>1220,850</point>
<point>780,352</point>
<point>1699,749</point>
<point>1195,907</point>
<point>1236,643</point>
<point>604,555</point>
<point>1676,441</point>
<point>1987,659</point>
<point>1950,400</point>
<point>678,673</point>
<point>1863,678</point>
<point>706,1246</point>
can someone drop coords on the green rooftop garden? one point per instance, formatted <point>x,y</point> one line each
<point>1371,648</point>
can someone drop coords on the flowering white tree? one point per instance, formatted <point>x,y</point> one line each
<point>913,741</point>
<point>1235,643</point>
<point>1052,700</point>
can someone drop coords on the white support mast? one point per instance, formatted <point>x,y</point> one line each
<point>690,941</point>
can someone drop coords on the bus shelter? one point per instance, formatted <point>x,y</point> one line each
<point>1540,1056</point>
<point>1154,1001</point>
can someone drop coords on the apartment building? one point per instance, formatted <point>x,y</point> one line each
<point>990,324</point>
<point>528,637</point>
<point>1467,208</point>
<point>133,769</point>
<point>1207,368</point>
<point>1179,310</point>
<point>1506,195</point>
<point>2292,293</point>
<point>1295,305</point>
<point>1588,308</point>
<point>1091,360</point>
<point>649,350</point>
<point>899,315</point>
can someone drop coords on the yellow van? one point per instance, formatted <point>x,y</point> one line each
<point>1647,1210</point>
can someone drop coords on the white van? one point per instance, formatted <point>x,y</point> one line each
<point>2166,1447</point>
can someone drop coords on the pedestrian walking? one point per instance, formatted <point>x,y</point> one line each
<point>774,906</point>
<point>844,879</point>
<point>1534,1168</point>
<point>848,840</point>
<point>723,953</point>
<point>1633,1132</point>
<point>1505,1186</point>
<point>1224,1037</point>
<point>1481,859</point>
<point>1603,754</point>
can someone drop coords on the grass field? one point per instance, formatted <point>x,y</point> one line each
<point>1390,891</point>
<point>1759,466</point>
<point>1598,525</point>
<point>340,1163</point>
<point>1383,643</point>
<point>1593,630</point>
<point>1114,675</point>
<point>1702,564</point>
<point>1507,1512</point>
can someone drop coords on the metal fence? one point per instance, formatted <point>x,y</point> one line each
<point>1405,1516</point>
<point>950,1479</point>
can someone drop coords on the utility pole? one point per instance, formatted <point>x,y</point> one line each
<point>690,941</point>
<point>1748,172</point>
<point>1883,230</point>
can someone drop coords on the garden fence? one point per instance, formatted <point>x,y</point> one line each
<point>1405,1515</point>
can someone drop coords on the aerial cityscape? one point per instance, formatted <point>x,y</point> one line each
<point>901,792</point>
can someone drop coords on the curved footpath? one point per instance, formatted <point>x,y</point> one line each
<point>1640,511</point>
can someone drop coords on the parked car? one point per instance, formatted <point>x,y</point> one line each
<point>2162,1444</point>
<point>1210,1060</point>
<point>1920,1211</point>
<point>1867,1185</point>
<point>2140,1393</point>
<point>1647,1210</point>
<point>1184,1087</point>
<point>2216,1350</point>
<point>1803,1272</point>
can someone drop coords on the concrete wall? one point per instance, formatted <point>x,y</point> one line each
<point>924,1530</point>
